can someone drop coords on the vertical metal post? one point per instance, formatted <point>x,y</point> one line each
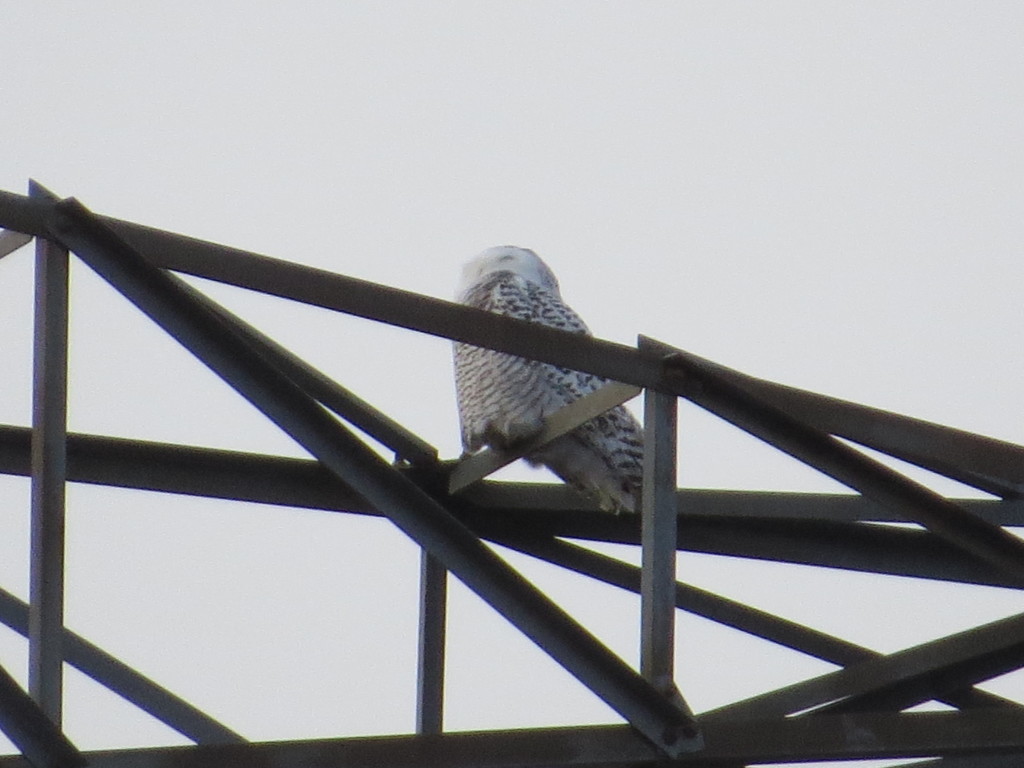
<point>658,539</point>
<point>49,432</point>
<point>430,668</point>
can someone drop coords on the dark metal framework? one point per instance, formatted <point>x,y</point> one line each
<point>858,711</point>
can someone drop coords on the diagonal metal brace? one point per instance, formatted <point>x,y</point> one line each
<point>926,671</point>
<point>479,465</point>
<point>730,613</point>
<point>992,465</point>
<point>160,296</point>
<point>692,378</point>
<point>10,241</point>
<point>407,446</point>
<point>127,683</point>
<point>33,733</point>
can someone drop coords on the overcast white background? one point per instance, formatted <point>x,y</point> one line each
<point>824,194</point>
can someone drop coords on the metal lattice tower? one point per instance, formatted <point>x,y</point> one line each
<point>449,510</point>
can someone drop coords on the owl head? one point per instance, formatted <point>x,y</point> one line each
<point>507,258</point>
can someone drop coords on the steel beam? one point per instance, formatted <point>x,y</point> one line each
<point>191,470</point>
<point>12,241</point>
<point>431,646</point>
<point>407,446</point>
<point>928,670</point>
<point>31,730</point>
<point>134,687</point>
<point>360,298</point>
<point>1006,760</point>
<point>49,452</point>
<point>995,466</point>
<point>301,482</point>
<point>846,546</point>
<point>900,436</point>
<point>717,526</point>
<point>727,612</point>
<point>697,382</point>
<point>765,742</point>
<point>958,673</point>
<point>160,296</point>
<point>477,466</point>
<point>658,542</point>
<point>991,464</point>
<point>898,551</point>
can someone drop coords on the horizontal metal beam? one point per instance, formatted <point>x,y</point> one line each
<point>191,470</point>
<point>266,479</point>
<point>134,687</point>
<point>1004,760</point>
<point>160,296</point>
<point>477,466</point>
<point>741,505</point>
<point>716,521</point>
<point>782,740</point>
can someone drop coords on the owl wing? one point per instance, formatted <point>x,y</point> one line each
<point>503,399</point>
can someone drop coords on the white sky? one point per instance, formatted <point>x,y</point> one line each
<point>823,194</point>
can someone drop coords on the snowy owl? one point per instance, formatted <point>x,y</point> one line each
<point>504,399</point>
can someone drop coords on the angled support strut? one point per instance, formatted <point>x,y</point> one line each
<point>161,296</point>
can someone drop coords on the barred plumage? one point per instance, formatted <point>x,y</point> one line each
<point>504,399</point>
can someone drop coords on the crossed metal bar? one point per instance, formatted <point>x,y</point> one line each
<point>125,681</point>
<point>748,402</point>
<point>691,377</point>
<point>942,449</point>
<point>32,730</point>
<point>997,637</point>
<point>298,482</point>
<point>232,356</point>
<point>729,613</point>
<point>913,439</point>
